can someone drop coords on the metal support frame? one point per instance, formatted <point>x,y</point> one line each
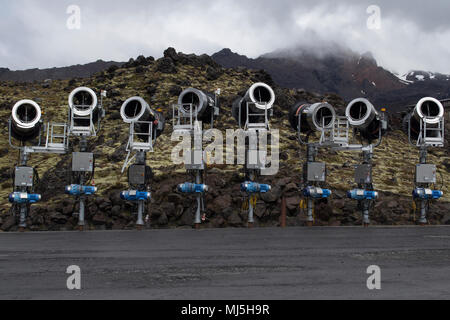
<point>23,207</point>
<point>141,149</point>
<point>337,138</point>
<point>89,131</point>
<point>426,140</point>
<point>81,217</point>
<point>423,203</point>
<point>367,185</point>
<point>189,125</point>
<point>251,209</point>
<point>134,145</point>
<point>312,150</point>
<point>197,171</point>
<point>260,125</point>
<point>55,143</point>
<point>141,159</point>
<point>326,140</point>
<point>254,128</point>
<point>84,132</point>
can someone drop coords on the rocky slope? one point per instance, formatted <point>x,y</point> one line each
<point>160,83</point>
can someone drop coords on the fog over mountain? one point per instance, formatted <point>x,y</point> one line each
<point>343,72</point>
<point>412,35</point>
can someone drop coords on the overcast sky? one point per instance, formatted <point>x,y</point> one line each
<point>414,34</point>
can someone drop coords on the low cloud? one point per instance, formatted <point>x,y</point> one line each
<point>413,34</point>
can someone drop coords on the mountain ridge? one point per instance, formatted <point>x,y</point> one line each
<point>56,73</point>
<point>342,72</point>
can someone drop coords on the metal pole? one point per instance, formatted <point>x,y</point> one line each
<point>23,212</point>
<point>367,155</point>
<point>310,220</point>
<point>423,212</point>
<point>311,156</point>
<point>198,213</point>
<point>141,158</point>
<point>251,219</point>
<point>81,222</point>
<point>81,217</point>
<point>251,216</point>
<point>365,211</point>
<point>423,203</point>
<point>23,216</point>
<point>140,221</point>
<point>23,158</point>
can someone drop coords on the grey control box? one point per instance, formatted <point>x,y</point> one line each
<point>425,173</point>
<point>316,171</point>
<point>23,177</point>
<point>363,174</point>
<point>136,174</point>
<point>82,162</point>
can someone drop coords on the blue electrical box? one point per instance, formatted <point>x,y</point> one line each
<point>192,188</point>
<point>427,194</point>
<point>24,198</point>
<point>360,194</point>
<point>133,195</point>
<point>316,193</point>
<point>254,187</point>
<point>77,190</point>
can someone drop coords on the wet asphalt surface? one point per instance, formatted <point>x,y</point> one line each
<point>223,264</point>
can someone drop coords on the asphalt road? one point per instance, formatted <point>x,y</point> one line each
<point>292,263</point>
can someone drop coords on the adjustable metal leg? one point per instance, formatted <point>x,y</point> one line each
<point>365,212</point>
<point>140,222</point>
<point>251,217</point>
<point>81,222</point>
<point>423,212</point>
<point>251,209</point>
<point>198,213</point>
<point>23,216</point>
<point>81,217</point>
<point>310,220</point>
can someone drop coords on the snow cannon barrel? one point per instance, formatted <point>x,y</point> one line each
<point>197,103</point>
<point>259,97</point>
<point>312,117</point>
<point>136,109</point>
<point>83,103</point>
<point>429,111</point>
<point>362,115</point>
<point>25,120</point>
